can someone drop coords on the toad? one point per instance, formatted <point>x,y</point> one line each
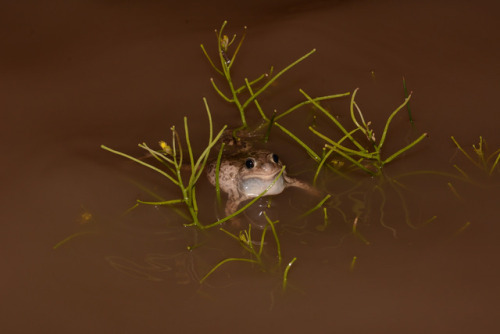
<point>245,175</point>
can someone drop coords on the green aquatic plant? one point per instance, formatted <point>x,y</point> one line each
<point>353,263</point>
<point>367,157</point>
<point>408,104</point>
<point>172,157</point>
<point>71,237</point>
<point>255,250</point>
<point>246,94</point>
<point>483,160</point>
<point>285,273</point>
<point>316,207</point>
<point>357,145</point>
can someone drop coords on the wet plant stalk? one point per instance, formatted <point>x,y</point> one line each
<point>172,158</point>
<point>285,273</point>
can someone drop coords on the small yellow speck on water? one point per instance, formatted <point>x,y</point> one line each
<point>269,203</point>
<point>85,218</point>
<point>337,163</point>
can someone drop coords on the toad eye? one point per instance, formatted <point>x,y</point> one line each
<point>249,163</point>
<point>276,159</point>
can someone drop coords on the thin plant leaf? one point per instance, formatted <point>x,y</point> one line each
<point>406,148</point>
<point>251,83</point>
<point>270,125</point>
<point>285,273</point>
<point>74,235</point>
<point>257,104</point>
<point>170,202</point>
<point>386,128</point>
<point>316,207</point>
<point>353,263</point>
<point>238,47</point>
<point>279,74</point>
<point>353,161</point>
<point>408,105</point>
<point>316,99</point>
<point>494,164</point>
<point>237,238</point>
<point>141,162</point>
<point>227,99</point>
<point>320,165</point>
<point>210,60</point>
<point>333,119</point>
<point>231,259</point>
<point>275,234</point>
<point>300,142</point>
<point>339,147</point>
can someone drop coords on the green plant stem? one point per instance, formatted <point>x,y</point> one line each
<point>190,149</point>
<point>353,263</point>
<point>408,106</point>
<point>353,117</point>
<point>221,94</point>
<point>406,148</point>
<point>74,235</point>
<point>300,142</point>
<point>280,73</point>
<point>494,164</point>
<point>316,99</point>
<point>141,162</point>
<point>386,128</point>
<point>333,119</point>
<point>382,205</point>
<point>210,60</point>
<point>275,234</point>
<point>465,153</point>
<point>353,161</point>
<point>269,127</point>
<point>320,165</point>
<point>261,246</point>
<point>238,47</point>
<point>226,261</point>
<point>357,234</point>
<point>316,207</point>
<point>339,147</point>
<point>251,83</point>
<point>170,202</point>
<point>235,237</point>
<point>285,274</point>
<point>259,108</point>
<point>226,70</point>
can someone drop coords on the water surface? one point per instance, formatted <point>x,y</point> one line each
<point>77,75</point>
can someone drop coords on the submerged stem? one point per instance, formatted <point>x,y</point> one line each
<point>285,274</point>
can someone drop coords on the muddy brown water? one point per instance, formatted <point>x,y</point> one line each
<point>75,75</point>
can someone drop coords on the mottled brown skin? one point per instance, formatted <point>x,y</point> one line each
<point>247,174</point>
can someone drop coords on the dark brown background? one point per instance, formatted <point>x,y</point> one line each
<point>78,74</point>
